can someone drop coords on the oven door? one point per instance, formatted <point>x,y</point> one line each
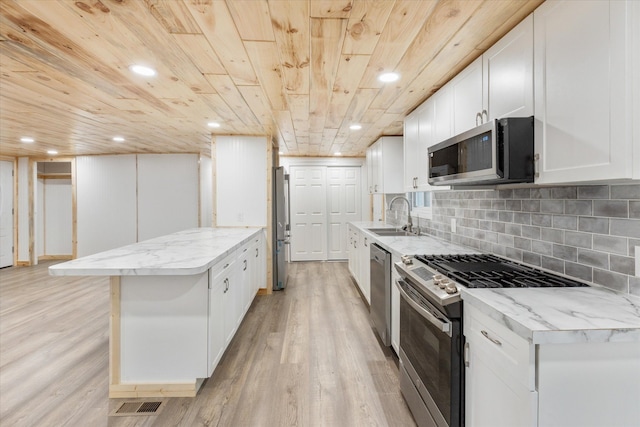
<point>430,350</point>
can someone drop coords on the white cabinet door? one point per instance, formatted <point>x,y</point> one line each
<point>411,150</point>
<point>391,163</point>
<point>258,252</point>
<point>231,300</point>
<point>370,160</point>
<point>582,91</point>
<point>466,90</point>
<point>441,116</point>
<point>244,278</point>
<point>493,401</point>
<point>216,333</point>
<point>499,374</point>
<point>363,254</point>
<point>508,74</point>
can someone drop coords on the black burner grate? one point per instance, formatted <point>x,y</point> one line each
<point>489,271</point>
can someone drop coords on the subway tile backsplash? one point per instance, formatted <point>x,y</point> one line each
<point>588,232</point>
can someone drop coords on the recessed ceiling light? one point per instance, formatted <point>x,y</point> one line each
<point>355,127</point>
<point>118,139</point>
<point>52,152</point>
<point>337,153</point>
<point>388,77</point>
<point>213,124</point>
<point>143,71</point>
<point>280,152</point>
<point>27,140</point>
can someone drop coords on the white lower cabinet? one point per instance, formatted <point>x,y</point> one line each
<point>499,383</point>
<point>512,382</point>
<point>364,264</point>
<point>233,284</point>
<point>216,338</point>
<point>358,251</point>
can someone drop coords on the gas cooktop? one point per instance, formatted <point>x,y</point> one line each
<point>489,271</point>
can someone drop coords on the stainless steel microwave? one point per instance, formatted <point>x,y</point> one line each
<point>497,152</point>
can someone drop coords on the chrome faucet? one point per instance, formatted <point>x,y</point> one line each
<point>409,225</point>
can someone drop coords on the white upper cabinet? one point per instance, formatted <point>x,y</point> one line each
<point>385,165</point>
<point>425,126</point>
<point>507,69</point>
<point>412,150</point>
<point>466,90</point>
<point>585,92</point>
<point>498,84</point>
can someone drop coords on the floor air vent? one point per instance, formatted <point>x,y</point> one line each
<point>127,409</point>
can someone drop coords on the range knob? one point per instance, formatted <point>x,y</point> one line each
<point>444,283</point>
<point>437,279</point>
<point>451,288</point>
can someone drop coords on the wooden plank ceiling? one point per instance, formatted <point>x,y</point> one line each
<point>300,71</point>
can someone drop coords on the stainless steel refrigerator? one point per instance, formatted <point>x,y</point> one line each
<point>281,227</point>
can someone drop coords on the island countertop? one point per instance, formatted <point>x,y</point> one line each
<point>186,252</point>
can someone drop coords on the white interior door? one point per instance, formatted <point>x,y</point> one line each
<point>6,214</point>
<point>308,213</point>
<point>343,205</point>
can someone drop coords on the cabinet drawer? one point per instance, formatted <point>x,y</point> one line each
<point>507,354</point>
<point>224,266</point>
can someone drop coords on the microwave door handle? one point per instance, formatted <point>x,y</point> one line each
<point>478,116</point>
<point>442,326</point>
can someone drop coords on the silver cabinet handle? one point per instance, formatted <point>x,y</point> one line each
<point>493,340</point>
<point>466,354</point>
<point>376,188</point>
<point>478,116</point>
<point>257,252</point>
<point>226,285</point>
<point>365,241</point>
<point>485,113</point>
<point>225,266</point>
<point>245,265</point>
<point>536,163</point>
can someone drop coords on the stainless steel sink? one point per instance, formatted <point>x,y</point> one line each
<point>384,232</point>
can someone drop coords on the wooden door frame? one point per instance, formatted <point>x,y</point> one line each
<point>14,162</point>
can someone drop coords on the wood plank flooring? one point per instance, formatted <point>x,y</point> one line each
<point>306,356</point>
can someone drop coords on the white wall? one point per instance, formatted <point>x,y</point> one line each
<point>206,192</point>
<point>23,209</point>
<point>241,186</point>
<point>168,194</point>
<point>106,202</point>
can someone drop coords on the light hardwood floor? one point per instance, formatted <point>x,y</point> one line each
<point>306,356</point>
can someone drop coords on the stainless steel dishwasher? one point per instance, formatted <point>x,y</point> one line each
<point>380,311</point>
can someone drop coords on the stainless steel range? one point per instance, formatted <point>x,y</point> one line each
<point>431,340</point>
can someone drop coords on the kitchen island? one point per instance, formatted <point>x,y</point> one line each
<point>176,302</point>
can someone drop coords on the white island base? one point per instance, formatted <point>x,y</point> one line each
<point>176,303</point>
<point>158,338</point>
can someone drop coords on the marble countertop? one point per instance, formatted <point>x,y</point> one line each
<point>411,245</point>
<point>186,252</point>
<point>540,315</point>
<point>561,315</point>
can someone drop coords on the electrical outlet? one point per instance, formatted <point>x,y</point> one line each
<point>638,261</point>
<point>453,225</point>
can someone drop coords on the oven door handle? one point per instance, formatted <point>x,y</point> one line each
<point>441,325</point>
